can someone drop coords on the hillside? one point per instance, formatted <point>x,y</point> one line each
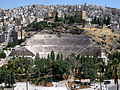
<point>103,37</point>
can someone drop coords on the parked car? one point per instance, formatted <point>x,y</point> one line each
<point>107,82</point>
<point>104,89</point>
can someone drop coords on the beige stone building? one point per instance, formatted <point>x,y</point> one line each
<point>21,34</point>
<point>83,15</point>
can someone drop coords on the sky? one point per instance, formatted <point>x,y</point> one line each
<point>6,4</point>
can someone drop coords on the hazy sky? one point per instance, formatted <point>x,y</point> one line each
<point>5,4</point>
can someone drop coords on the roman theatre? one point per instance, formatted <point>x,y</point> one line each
<point>66,44</point>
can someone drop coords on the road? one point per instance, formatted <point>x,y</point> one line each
<point>113,87</point>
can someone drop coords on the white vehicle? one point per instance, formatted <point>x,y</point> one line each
<point>104,89</point>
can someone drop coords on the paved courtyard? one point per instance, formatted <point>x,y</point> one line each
<point>22,86</point>
<point>61,86</point>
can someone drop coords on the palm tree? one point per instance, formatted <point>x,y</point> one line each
<point>114,65</point>
<point>101,70</point>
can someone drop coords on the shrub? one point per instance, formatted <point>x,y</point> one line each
<point>2,55</point>
<point>11,44</point>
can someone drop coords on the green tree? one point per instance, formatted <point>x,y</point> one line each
<point>2,55</point>
<point>61,56</point>
<point>5,28</point>
<point>52,55</point>
<point>7,76</point>
<point>38,25</point>
<point>94,21</point>
<point>12,44</point>
<point>100,23</point>
<point>104,20</point>
<point>41,66</point>
<point>37,56</point>
<point>58,57</point>
<point>108,72</point>
<point>108,21</point>
<point>115,62</point>
<point>60,67</point>
<point>88,71</point>
<point>56,17</point>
